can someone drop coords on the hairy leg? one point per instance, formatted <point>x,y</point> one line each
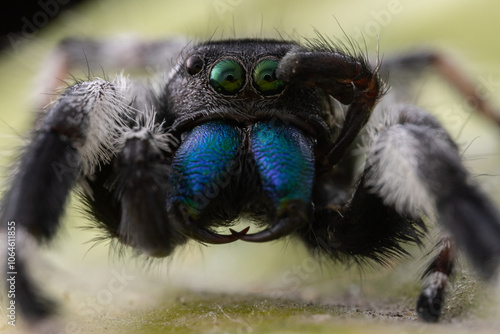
<point>76,135</point>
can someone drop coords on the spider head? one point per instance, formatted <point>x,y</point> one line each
<point>229,108</point>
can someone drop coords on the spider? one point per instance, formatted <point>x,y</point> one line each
<point>259,128</point>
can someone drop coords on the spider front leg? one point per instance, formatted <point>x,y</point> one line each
<point>77,133</point>
<point>127,197</point>
<point>416,167</point>
<point>51,163</point>
<point>413,167</point>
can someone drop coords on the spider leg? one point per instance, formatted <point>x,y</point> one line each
<point>415,167</point>
<point>360,230</point>
<point>76,134</point>
<point>416,62</point>
<point>430,301</point>
<point>50,164</point>
<point>104,56</point>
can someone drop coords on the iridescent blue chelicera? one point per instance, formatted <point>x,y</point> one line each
<point>204,159</point>
<point>285,160</point>
<point>283,155</point>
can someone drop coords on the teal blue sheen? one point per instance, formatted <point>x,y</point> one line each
<point>285,160</point>
<point>204,160</point>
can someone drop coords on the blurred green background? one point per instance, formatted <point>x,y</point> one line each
<point>247,288</point>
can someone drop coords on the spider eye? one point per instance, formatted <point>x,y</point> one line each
<point>227,77</point>
<point>194,64</point>
<point>264,78</point>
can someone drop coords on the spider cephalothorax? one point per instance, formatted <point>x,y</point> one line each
<point>255,128</point>
<point>233,111</point>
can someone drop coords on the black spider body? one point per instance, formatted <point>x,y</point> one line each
<point>243,113</point>
<point>253,128</point>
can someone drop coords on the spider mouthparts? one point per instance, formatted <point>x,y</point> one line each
<point>240,233</point>
<point>282,228</point>
<point>210,237</point>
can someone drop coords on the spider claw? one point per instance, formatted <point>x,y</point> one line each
<point>240,233</point>
<point>210,237</point>
<point>281,229</point>
<point>291,217</point>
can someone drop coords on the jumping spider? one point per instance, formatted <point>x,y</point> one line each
<point>264,128</point>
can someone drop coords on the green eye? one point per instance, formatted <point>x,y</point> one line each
<point>264,78</point>
<point>227,77</point>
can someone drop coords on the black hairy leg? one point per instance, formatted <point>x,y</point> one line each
<point>34,214</point>
<point>416,168</point>
<point>361,230</point>
<point>60,150</point>
<point>413,168</point>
